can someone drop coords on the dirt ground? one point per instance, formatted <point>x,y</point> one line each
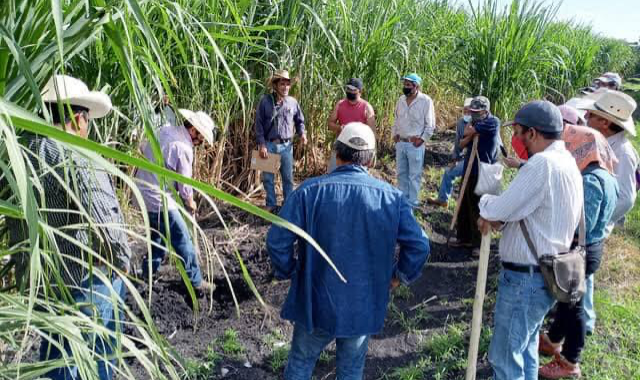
<point>449,276</point>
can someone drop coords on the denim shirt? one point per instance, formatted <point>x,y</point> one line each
<point>600,196</point>
<point>488,142</point>
<point>357,220</point>
<point>278,122</point>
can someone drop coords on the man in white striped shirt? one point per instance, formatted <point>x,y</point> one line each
<point>547,194</point>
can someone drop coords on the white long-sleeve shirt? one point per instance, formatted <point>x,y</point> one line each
<point>625,171</point>
<point>416,119</point>
<point>548,194</point>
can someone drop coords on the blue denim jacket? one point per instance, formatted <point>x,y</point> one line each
<point>357,220</point>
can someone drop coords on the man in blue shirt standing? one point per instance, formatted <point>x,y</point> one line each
<point>278,118</point>
<point>357,220</point>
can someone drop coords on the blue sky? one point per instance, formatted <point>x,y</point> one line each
<point>612,18</point>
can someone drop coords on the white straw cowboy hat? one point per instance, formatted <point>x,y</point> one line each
<point>616,107</point>
<point>72,91</point>
<point>201,122</point>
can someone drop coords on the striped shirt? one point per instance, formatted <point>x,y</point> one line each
<point>416,119</point>
<point>92,187</point>
<point>548,194</point>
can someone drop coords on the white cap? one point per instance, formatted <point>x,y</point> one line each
<point>467,102</point>
<point>358,136</point>
<point>72,91</point>
<point>201,122</point>
<point>611,77</point>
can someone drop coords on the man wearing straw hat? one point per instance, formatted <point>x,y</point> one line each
<point>78,198</point>
<point>611,114</point>
<point>547,195</point>
<point>177,144</point>
<point>374,218</point>
<point>415,122</point>
<point>456,166</point>
<point>278,118</point>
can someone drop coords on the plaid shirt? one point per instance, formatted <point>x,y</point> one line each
<point>61,170</point>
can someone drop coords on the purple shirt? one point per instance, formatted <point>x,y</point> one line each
<point>177,151</point>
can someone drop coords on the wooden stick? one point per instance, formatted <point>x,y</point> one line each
<point>476,323</point>
<point>463,188</point>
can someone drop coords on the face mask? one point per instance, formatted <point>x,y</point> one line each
<point>407,90</point>
<point>466,118</point>
<point>351,96</point>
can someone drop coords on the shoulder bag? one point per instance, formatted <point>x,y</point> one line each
<point>564,273</point>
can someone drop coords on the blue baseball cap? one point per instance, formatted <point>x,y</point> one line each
<point>413,77</point>
<point>540,115</point>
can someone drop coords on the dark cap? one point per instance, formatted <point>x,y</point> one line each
<point>355,83</point>
<point>541,115</point>
<point>479,103</point>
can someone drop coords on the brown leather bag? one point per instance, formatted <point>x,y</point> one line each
<point>564,273</point>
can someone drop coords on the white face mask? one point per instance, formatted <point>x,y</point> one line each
<point>466,118</point>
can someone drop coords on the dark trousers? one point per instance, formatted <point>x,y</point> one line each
<point>570,322</point>
<point>468,231</point>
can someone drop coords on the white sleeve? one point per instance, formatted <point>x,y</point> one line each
<point>626,177</point>
<point>523,196</point>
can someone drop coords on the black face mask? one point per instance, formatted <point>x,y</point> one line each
<point>407,90</point>
<point>351,96</point>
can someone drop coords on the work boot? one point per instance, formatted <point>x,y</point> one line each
<point>546,347</point>
<point>437,202</point>
<point>560,368</point>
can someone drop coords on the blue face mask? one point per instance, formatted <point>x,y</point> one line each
<point>466,118</point>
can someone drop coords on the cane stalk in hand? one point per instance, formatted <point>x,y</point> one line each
<point>463,188</point>
<point>476,323</point>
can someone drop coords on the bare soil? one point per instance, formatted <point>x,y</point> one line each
<point>449,276</point>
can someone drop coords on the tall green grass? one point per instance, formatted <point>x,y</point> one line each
<point>215,55</point>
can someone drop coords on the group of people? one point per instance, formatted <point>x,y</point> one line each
<point>564,170</point>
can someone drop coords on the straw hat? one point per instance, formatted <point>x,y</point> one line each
<point>72,91</point>
<point>280,74</point>
<point>201,122</point>
<point>616,107</point>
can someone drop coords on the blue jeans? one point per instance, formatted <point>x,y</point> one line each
<point>285,150</point>
<point>521,304</point>
<point>306,348</point>
<point>410,164</point>
<point>589,310</point>
<point>98,295</point>
<point>446,186</point>
<point>180,241</point>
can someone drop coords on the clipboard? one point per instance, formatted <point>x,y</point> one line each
<point>271,164</point>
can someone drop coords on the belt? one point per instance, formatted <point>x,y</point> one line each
<point>280,141</point>
<point>521,268</point>
<point>405,139</point>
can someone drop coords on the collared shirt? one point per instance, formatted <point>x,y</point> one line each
<point>357,220</point>
<point>416,119</point>
<point>625,171</point>
<point>94,192</point>
<point>547,193</point>
<point>278,121</point>
<point>177,151</point>
<point>600,195</point>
